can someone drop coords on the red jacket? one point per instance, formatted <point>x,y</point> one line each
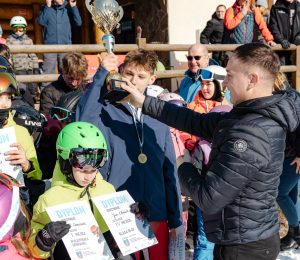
<point>232,21</point>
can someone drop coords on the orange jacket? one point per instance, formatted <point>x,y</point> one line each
<point>199,105</point>
<point>232,21</point>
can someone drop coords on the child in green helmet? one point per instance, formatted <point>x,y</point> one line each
<point>81,152</point>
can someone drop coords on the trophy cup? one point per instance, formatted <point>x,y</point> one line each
<point>106,15</point>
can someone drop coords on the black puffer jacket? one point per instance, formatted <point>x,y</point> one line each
<point>280,21</point>
<point>237,195</point>
<point>214,31</point>
<point>52,93</point>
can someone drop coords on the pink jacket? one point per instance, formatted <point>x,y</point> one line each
<point>2,41</point>
<point>177,141</point>
<point>9,252</point>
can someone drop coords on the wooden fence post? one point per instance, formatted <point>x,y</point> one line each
<point>141,42</point>
<point>296,74</point>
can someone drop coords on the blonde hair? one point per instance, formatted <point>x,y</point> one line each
<point>22,247</point>
<point>264,10</point>
<point>279,82</point>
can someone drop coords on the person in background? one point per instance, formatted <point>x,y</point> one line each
<point>214,32</point>
<point>75,67</point>
<point>23,63</point>
<point>2,40</point>
<point>285,27</point>
<point>56,18</point>
<point>263,7</point>
<point>240,20</point>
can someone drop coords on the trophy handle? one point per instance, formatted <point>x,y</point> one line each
<point>109,43</point>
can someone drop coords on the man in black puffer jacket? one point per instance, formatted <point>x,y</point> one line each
<point>214,32</point>
<point>237,195</point>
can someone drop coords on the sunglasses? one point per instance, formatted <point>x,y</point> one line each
<point>80,157</point>
<point>179,103</point>
<point>20,29</point>
<point>8,182</point>
<point>60,113</point>
<point>190,58</point>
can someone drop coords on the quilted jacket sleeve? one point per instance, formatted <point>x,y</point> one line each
<point>183,119</point>
<point>244,152</point>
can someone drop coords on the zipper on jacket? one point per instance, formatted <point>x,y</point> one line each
<point>223,221</point>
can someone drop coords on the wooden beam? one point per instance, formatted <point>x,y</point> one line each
<point>159,74</point>
<point>23,2</point>
<point>8,11</point>
<point>5,24</point>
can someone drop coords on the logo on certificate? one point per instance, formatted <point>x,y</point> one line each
<point>126,242</point>
<point>79,254</point>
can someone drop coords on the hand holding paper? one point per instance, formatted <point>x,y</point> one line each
<point>18,157</point>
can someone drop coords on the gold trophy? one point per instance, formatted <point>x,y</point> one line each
<point>106,15</point>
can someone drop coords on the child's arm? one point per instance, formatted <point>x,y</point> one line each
<point>43,15</point>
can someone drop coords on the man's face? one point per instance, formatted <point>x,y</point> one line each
<point>138,76</point>
<point>236,81</point>
<point>194,64</point>
<point>290,1</point>
<point>221,12</point>
<point>72,82</point>
<point>58,2</point>
<point>241,2</point>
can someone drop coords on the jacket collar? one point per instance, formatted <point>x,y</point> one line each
<point>60,7</point>
<point>63,85</point>
<point>283,4</point>
<point>190,74</point>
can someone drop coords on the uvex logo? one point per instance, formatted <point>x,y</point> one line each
<point>33,123</point>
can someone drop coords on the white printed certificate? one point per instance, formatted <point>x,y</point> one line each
<point>131,232</point>
<point>84,240</point>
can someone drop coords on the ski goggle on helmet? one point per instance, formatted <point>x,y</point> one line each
<point>60,113</point>
<point>209,75</point>
<point>8,84</point>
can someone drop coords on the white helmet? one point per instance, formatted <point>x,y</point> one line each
<point>154,90</point>
<point>18,20</point>
<point>219,72</point>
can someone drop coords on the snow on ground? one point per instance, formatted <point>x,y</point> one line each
<point>290,255</point>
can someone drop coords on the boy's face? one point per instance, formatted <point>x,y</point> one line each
<point>85,176</point>
<point>5,100</point>
<point>18,33</point>
<point>138,76</point>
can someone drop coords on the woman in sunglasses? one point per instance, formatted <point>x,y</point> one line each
<point>81,153</point>
<point>212,94</point>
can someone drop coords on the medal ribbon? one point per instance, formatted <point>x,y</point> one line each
<point>136,124</point>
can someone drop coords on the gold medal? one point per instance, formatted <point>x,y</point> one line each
<point>142,158</point>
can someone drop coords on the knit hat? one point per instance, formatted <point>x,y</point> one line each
<point>262,3</point>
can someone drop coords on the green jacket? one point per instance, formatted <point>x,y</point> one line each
<point>25,140</point>
<point>59,193</point>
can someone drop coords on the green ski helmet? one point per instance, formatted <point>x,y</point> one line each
<point>79,144</point>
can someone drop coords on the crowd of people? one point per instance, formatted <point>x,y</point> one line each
<point>210,161</point>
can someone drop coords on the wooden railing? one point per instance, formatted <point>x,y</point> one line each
<point>141,43</point>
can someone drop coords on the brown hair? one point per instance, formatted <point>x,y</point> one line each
<point>142,58</point>
<point>75,65</point>
<point>4,51</point>
<point>259,55</point>
<point>221,6</point>
<point>22,247</point>
<point>279,82</point>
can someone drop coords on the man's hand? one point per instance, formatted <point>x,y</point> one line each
<point>18,157</point>
<point>185,158</point>
<point>48,3</point>
<point>297,161</point>
<point>244,7</point>
<point>285,44</point>
<point>72,3</point>
<point>272,43</point>
<point>173,233</point>
<point>136,98</point>
<point>110,62</point>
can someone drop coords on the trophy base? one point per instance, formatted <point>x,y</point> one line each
<point>115,93</point>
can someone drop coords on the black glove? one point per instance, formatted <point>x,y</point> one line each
<point>285,44</point>
<point>50,234</point>
<point>140,207</point>
<point>297,41</point>
<point>36,71</point>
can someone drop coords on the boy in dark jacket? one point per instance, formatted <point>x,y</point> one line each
<point>285,26</point>
<point>214,32</point>
<point>237,194</point>
<point>23,63</point>
<point>131,135</point>
<point>56,18</point>
<point>74,70</point>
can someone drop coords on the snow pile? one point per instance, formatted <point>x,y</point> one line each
<point>289,255</point>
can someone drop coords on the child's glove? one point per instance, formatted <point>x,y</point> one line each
<point>140,207</point>
<point>50,234</point>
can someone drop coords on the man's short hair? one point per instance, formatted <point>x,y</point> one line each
<point>75,65</point>
<point>260,56</point>
<point>221,6</point>
<point>4,51</point>
<point>142,58</point>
